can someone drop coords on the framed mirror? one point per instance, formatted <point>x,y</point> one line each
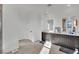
<point>50,25</point>
<point>64,24</point>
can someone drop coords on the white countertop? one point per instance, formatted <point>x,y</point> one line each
<point>63,33</point>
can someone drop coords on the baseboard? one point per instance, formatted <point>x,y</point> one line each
<point>11,51</point>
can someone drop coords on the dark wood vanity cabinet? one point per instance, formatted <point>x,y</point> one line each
<point>68,41</point>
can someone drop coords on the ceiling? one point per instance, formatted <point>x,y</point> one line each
<point>55,9</point>
<point>39,7</point>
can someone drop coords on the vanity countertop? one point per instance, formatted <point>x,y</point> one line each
<point>63,33</point>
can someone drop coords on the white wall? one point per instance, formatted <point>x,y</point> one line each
<point>59,11</point>
<point>30,15</point>
<point>18,25</point>
<point>32,23</point>
<point>11,28</point>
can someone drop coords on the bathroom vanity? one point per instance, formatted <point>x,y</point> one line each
<point>70,41</point>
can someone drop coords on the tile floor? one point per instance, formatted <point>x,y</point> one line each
<point>28,47</point>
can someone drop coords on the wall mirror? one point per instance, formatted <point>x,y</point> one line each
<point>69,24</point>
<point>64,24</point>
<point>50,25</point>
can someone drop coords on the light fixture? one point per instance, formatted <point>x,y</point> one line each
<point>49,5</point>
<point>68,5</point>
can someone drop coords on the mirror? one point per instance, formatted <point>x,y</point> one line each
<point>64,24</point>
<point>50,25</point>
<point>69,24</point>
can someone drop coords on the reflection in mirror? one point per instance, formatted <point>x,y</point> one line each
<point>69,24</point>
<point>64,24</point>
<point>74,23</point>
<point>50,25</point>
